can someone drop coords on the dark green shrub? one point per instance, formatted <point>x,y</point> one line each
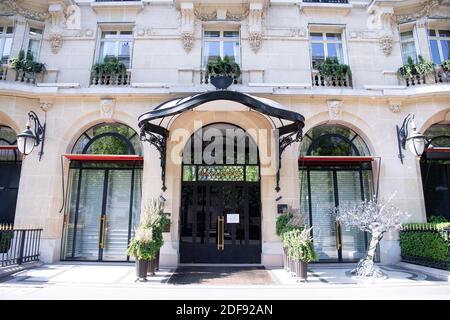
<point>283,223</point>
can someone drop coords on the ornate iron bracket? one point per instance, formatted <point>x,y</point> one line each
<point>284,142</point>
<point>39,132</point>
<point>160,143</point>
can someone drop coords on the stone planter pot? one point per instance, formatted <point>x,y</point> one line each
<point>141,270</point>
<point>221,82</point>
<point>301,270</point>
<point>285,259</point>
<point>151,267</point>
<point>157,260</point>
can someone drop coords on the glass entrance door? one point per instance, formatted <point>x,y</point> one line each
<point>324,188</point>
<point>104,204</point>
<point>220,223</point>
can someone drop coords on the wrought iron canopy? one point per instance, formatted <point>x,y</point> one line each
<point>155,125</point>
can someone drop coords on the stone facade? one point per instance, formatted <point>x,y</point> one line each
<point>165,62</point>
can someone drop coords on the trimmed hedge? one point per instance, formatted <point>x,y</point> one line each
<point>426,243</point>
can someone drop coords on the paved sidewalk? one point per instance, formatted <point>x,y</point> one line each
<point>117,281</point>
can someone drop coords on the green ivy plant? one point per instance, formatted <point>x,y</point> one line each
<point>110,66</point>
<point>26,64</point>
<point>437,219</point>
<point>331,67</point>
<point>222,67</point>
<point>446,65</point>
<point>300,245</point>
<point>411,69</point>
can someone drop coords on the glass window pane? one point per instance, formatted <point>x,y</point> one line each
<point>407,36</point>
<point>107,49</point>
<point>231,49</point>
<point>444,46</point>
<point>444,33</point>
<point>432,33</point>
<point>231,34</point>
<point>189,173</point>
<point>316,36</point>
<point>10,30</point>
<point>109,34</point>
<point>409,50</point>
<point>6,49</point>
<point>35,31</point>
<point>317,53</point>
<point>124,53</point>
<point>252,173</point>
<point>333,36</point>
<point>33,47</point>
<point>335,50</point>
<point>220,173</point>
<point>212,34</point>
<point>211,51</point>
<point>125,34</point>
<point>435,51</point>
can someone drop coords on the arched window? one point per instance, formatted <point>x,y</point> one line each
<point>438,135</point>
<point>7,141</point>
<point>108,138</point>
<point>333,140</point>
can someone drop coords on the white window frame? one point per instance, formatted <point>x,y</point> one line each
<point>117,40</point>
<point>221,39</point>
<point>38,37</point>
<point>3,37</point>
<point>325,42</point>
<point>438,40</point>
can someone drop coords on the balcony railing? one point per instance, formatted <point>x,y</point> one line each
<point>439,75</point>
<point>332,82</point>
<point>326,1</point>
<point>19,245</point>
<point>111,79</point>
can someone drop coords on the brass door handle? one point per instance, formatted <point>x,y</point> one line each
<point>103,231</point>
<point>338,238</point>
<point>220,233</point>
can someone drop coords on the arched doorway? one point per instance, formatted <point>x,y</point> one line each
<point>104,193</point>
<point>435,170</point>
<point>220,214</point>
<point>10,166</point>
<point>335,169</point>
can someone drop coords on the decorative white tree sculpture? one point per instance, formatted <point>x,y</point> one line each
<point>377,218</point>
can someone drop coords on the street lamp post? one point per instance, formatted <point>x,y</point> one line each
<point>27,140</point>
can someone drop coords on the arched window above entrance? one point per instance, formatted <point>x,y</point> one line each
<point>333,140</point>
<point>108,138</point>
<point>221,152</point>
<point>438,135</point>
<point>8,140</point>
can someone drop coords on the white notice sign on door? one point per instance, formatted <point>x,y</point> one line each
<point>232,217</point>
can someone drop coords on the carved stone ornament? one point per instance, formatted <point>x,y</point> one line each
<point>73,17</point>
<point>238,16</point>
<point>188,41</point>
<point>107,107</point>
<point>334,109</point>
<point>427,7</point>
<point>46,105</point>
<point>56,42</point>
<point>255,39</point>
<point>395,107</point>
<point>386,44</point>
<point>204,16</point>
<point>27,13</point>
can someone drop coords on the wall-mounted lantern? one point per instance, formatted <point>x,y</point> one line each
<point>27,140</point>
<point>414,140</point>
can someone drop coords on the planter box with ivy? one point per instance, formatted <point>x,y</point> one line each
<point>222,73</point>
<point>413,74</point>
<point>110,72</point>
<point>27,70</point>
<point>332,73</point>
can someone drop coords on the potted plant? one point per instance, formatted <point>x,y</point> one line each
<point>416,72</point>
<point>335,73</point>
<point>162,226</point>
<point>300,251</point>
<point>408,70</point>
<point>26,68</point>
<point>108,71</point>
<point>222,72</point>
<point>147,240</point>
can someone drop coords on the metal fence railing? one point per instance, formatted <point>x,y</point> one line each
<point>19,245</point>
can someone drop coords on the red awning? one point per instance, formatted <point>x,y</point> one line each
<point>8,147</point>
<point>437,153</point>
<point>435,149</point>
<point>320,161</point>
<point>95,157</point>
